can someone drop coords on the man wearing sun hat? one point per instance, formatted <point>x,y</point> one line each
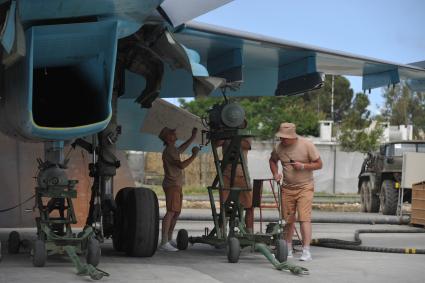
<point>173,181</point>
<point>299,158</point>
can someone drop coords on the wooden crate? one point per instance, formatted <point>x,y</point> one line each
<point>418,203</point>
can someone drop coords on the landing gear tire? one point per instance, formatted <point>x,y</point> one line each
<point>39,253</point>
<point>142,217</point>
<point>120,222</point>
<point>93,252</point>
<point>281,252</point>
<point>233,250</point>
<point>388,197</point>
<point>13,242</point>
<point>182,239</point>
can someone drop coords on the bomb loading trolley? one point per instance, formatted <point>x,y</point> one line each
<point>227,122</point>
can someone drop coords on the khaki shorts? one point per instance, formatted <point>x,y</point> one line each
<point>173,198</point>
<point>245,197</point>
<point>298,201</point>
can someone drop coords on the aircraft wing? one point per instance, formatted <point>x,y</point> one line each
<point>267,66</point>
<point>255,58</point>
<point>171,9</point>
<point>263,66</point>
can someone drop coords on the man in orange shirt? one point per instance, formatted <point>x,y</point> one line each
<point>245,197</point>
<point>173,181</point>
<point>299,158</point>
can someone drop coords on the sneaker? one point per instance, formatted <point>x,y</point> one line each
<point>173,243</point>
<point>167,248</point>
<point>306,255</point>
<point>290,254</point>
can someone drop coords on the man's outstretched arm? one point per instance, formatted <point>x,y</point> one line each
<point>186,144</point>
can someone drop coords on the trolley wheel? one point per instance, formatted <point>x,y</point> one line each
<point>182,239</point>
<point>13,242</point>
<point>39,253</point>
<point>93,252</point>
<point>233,250</point>
<point>281,252</point>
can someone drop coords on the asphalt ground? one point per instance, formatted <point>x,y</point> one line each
<point>203,263</point>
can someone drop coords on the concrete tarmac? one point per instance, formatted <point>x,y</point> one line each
<point>203,263</point>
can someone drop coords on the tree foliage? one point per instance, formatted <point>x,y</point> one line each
<point>321,98</point>
<point>403,107</point>
<point>200,106</point>
<point>264,114</point>
<point>353,133</point>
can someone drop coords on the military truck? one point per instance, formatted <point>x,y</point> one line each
<point>380,177</point>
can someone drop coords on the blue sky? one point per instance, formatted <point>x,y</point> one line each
<point>392,30</point>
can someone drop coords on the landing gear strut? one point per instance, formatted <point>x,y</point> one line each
<point>132,219</point>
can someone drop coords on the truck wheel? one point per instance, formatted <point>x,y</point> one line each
<point>372,204</point>
<point>142,215</point>
<point>388,198</point>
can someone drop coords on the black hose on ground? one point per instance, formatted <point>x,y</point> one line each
<point>349,219</point>
<point>356,244</point>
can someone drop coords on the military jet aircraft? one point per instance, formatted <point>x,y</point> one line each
<point>75,68</point>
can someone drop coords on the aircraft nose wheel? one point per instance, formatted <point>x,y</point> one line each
<point>281,252</point>
<point>233,250</point>
<point>182,239</point>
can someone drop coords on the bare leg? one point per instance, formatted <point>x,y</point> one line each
<point>306,233</point>
<point>249,219</point>
<point>172,225</point>
<point>290,228</point>
<point>166,224</point>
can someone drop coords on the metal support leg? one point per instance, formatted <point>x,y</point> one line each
<point>262,248</point>
<point>82,268</point>
<point>214,213</point>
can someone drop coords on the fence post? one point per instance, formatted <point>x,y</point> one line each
<point>334,171</point>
